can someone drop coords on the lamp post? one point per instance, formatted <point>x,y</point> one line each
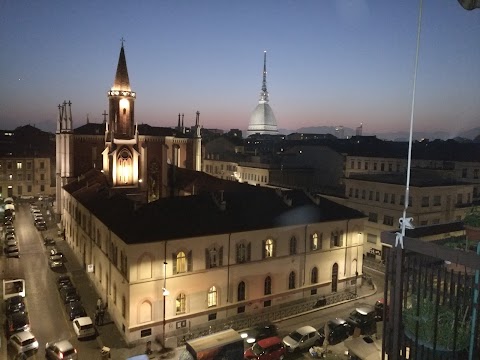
<point>165,293</point>
<point>356,263</point>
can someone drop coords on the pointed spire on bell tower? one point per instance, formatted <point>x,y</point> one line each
<point>121,98</point>
<point>121,78</point>
<point>264,93</point>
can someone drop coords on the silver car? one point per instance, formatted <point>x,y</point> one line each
<point>301,339</point>
<point>60,350</point>
<point>23,342</point>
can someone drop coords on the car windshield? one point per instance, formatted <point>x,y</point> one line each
<point>295,335</point>
<point>257,349</point>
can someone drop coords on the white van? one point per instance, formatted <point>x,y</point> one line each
<point>83,327</point>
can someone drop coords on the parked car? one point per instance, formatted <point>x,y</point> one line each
<point>11,242</point>
<point>60,350</point>
<point>259,332</point>
<point>69,294</point>
<point>14,304</point>
<point>17,322</point>
<point>83,327</point>
<point>271,348</point>
<point>363,317</point>
<point>49,241</point>
<point>54,251</point>
<point>338,330</point>
<point>23,342</point>
<point>75,310</point>
<point>301,339</point>
<point>12,251</point>
<point>63,280</point>
<point>40,224</point>
<point>54,263</point>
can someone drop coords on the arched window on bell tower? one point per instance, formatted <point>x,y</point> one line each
<point>124,168</point>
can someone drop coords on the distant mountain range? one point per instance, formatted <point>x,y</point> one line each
<point>471,134</point>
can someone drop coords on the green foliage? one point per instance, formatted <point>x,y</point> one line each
<point>473,217</point>
<point>445,325</point>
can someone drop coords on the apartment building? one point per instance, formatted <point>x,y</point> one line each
<point>432,200</point>
<point>187,260</point>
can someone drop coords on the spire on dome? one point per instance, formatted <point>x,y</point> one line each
<point>121,77</point>
<point>264,93</point>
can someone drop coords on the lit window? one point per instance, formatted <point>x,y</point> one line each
<point>19,165</point>
<point>315,241</point>
<point>180,303</point>
<point>269,248</point>
<point>212,296</point>
<point>181,262</point>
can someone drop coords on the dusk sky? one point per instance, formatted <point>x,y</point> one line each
<point>329,63</point>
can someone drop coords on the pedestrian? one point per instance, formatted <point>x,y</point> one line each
<point>96,317</point>
<point>101,314</point>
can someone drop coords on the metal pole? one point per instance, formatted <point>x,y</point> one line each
<point>164,294</point>
<point>474,311</point>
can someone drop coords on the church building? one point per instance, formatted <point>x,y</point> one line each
<point>134,157</point>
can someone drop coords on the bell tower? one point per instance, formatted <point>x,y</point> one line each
<point>121,155</point>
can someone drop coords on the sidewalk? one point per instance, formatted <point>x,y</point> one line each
<point>108,333</point>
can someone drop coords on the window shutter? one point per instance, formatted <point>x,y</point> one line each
<point>311,241</point>
<point>174,263</point>
<point>189,261</point>
<point>207,259</point>
<point>264,250</point>
<point>237,253</point>
<point>340,239</point>
<point>249,251</point>
<point>332,242</point>
<point>274,250</point>
<point>220,256</point>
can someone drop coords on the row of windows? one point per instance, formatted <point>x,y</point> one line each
<point>388,220</point>
<point>367,165</point>
<point>377,196</point>
<point>465,173</point>
<point>19,165</point>
<point>20,177</point>
<point>254,177</point>
<point>20,190</point>
<point>212,293</point>
<point>182,261</point>
<point>426,201</point>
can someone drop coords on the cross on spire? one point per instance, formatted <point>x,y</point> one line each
<point>122,40</point>
<point>104,116</point>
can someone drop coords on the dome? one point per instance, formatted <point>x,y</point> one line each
<point>262,120</point>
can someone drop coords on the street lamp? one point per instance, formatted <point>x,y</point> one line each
<point>165,293</point>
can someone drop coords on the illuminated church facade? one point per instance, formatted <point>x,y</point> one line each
<point>134,157</point>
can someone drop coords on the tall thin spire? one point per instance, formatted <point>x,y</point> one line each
<point>121,77</point>
<point>264,93</point>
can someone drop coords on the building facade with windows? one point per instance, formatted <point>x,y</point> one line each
<point>27,166</point>
<point>432,201</point>
<point>184,261</point>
